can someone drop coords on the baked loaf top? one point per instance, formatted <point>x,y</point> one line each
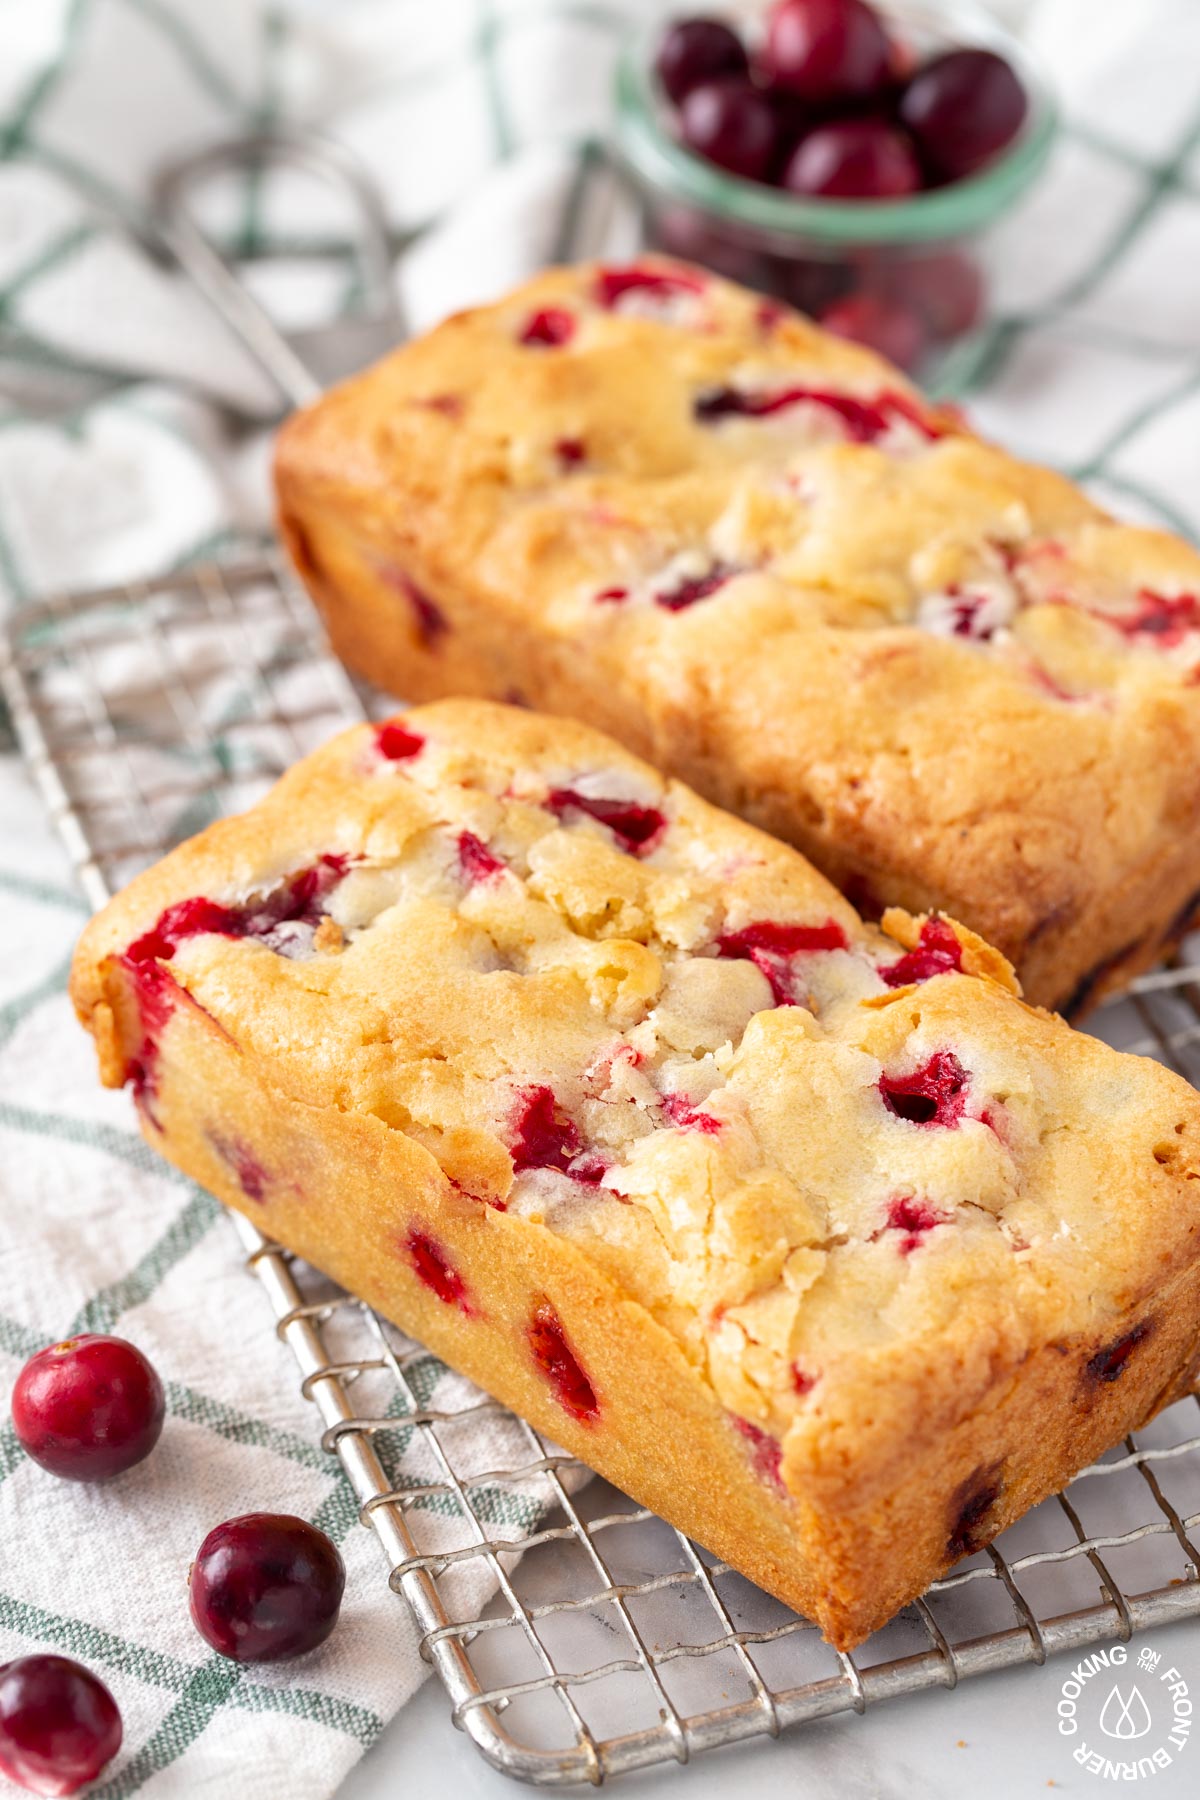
<point>832,1162</point>
<point>686,437</point>
<point>763,540</point>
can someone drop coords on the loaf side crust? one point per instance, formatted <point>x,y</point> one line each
<point>533,1076</point>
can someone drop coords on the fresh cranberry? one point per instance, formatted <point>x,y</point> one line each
<point>265,1587</point>
<point>293,901</point>
<point>827,50</point>
<point>938,952</point>
<point>853,159</point>
<point>813,284</point>
<point>561,1367</point>
<point>803,1382</point>
<point>690,588</point>
<point>433,1267</point>
<point>962,108</point>
<point>396,742</point>
<point>637,829</point>
<point>944,287</point>
<point>933,1095</point>
<point>59,1725</point>
<point>88,1408</point>
<point>548,328</point>
<point>885,326</point>
<point>570,452</point>
<point>694,236</point>
<point>696,50</point>
<point>730,122</point>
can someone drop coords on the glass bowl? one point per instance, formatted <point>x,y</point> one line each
<point>920,255</point>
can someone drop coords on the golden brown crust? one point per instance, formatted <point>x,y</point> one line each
<point>941,673</point>
<point>856,1254</point>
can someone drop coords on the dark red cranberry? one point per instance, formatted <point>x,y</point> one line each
<point>157,996</point>
<point>433,1267</point>
<point>242,1163</point>
<point>970,1509</point>
<point>59,1725</point>
<point>827,50</point>
<point>912,1218</point>
<point>853,159</point>
<point>885,326</point>
<point>589,1168</point>
<point>766,1452</point>
<point>938,952</point>
<point>812,284</point>
<point>637,829</point>
<point>548,328</point>
<point>962,108</point>
<point>1167,618</point>
<point>561,1367</point>
<point>1108,1364</point>
<point>430,621</point>
<point>944,287</point>
<point>617,280</point>
<point>933,1095</point>
<point>863,421</point>
<point>88,1408</point>
<point>802,1381</point>
<point>681,231</point>
<point>396,742</point>
<point>265,1587</point>
<point>691,588</point>
<point>769,945</point>
<point>476,860</point>
<point>543,1137</point>
<point>731,123</point>
<point>681,1113</point>
<point>696,50</point>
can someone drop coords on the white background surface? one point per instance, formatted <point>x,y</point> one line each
<point>906,1749</point>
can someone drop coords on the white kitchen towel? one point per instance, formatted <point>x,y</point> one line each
<point>128,444</point>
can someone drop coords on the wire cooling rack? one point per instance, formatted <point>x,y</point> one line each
<point>612,1642</point>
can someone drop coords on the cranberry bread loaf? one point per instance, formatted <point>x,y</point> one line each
<point>812,1237</point>
<point>650,499</point>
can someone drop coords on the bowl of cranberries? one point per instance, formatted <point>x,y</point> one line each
<point>844,155</point>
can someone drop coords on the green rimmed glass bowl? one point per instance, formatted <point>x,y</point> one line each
<point>916,258</point>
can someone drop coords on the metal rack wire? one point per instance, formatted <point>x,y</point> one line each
<point>611,1642</point>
